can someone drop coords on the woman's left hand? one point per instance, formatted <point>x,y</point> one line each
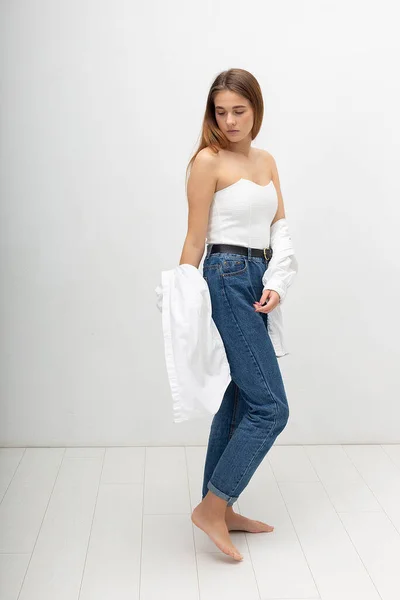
<point>273,301</point>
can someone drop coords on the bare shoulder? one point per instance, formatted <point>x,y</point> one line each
<point>203,176</point>
<point>265,156</point>
<point>206,157</point>
<point>270,164</point>
<point>263,152</point>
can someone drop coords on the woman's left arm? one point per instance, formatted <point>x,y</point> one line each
<point>283,266</point>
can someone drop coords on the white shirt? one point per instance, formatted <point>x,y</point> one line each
<point>197,366</point>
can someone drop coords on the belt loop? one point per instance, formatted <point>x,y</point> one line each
<point>249,252</point>
<point>209,250</point>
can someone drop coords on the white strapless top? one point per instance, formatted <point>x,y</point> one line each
<point>241,214</point>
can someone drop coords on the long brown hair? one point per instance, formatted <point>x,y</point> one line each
<point>241,82</point>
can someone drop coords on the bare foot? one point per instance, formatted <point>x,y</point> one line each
<point>236,522</point>
<point>215,527</point>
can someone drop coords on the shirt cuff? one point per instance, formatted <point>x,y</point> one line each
<point>276,288</point>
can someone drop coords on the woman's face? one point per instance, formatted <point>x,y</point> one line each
<point>233,112</point>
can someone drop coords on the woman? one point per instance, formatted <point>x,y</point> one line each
<point>234,197</point>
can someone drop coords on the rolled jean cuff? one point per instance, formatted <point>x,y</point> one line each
<point>230,499</point>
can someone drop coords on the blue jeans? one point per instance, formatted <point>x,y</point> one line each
<point>254,409</point>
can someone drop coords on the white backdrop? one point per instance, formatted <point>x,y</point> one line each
<point>101,107</point>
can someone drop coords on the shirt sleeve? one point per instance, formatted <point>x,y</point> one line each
<point>280,274</point>
<point>283,266</point>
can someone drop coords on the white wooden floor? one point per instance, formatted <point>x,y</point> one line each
<point>114,524</point>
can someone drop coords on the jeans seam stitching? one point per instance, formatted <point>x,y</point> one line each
<point>266,384</point>
<point>253,458</point>
<point>235,272</point>
<point>235,401</point>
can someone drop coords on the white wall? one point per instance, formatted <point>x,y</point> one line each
<point>101,107</point>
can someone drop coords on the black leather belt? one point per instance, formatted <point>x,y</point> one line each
<point>261,252</point>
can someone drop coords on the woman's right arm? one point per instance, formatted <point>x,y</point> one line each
<point>200,191</point>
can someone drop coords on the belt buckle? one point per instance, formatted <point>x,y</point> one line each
<point>265,256</point>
